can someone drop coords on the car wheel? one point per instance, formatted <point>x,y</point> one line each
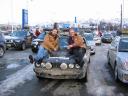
<point>116,73</point>
<point>23,46</point>
<point>39,78</point>
<point>89,60</point>
<point>1,51</point>
<point>108,59</point>
<point>84,79</point>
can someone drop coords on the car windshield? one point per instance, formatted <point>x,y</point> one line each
<point>63,41</point>
<point>41,36</point>
<point>88,37</point>
<point>123,45</point>
<point>19,33</point>
<point>107,35</point>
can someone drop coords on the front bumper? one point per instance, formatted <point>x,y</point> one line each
<point>15,45</point>
<point>107,40</point>
<point>57,73</point>
<point>92,50</point>
<point>123,75</point>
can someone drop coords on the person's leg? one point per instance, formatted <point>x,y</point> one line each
<point>42,53</point>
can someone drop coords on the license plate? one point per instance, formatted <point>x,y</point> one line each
<point>9,45</point>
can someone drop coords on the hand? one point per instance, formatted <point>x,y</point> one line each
<point>55,49</point>
<point>70,46</point>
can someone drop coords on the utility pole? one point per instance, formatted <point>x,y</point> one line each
<point>121,19</point>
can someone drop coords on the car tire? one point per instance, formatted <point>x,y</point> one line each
<point>108,59</point>
<point>84,79</point>
<point>38,77</point>
<point>89,61</point>
<point>23,46</point>
<point>2,52</point>
<point>116,74</point>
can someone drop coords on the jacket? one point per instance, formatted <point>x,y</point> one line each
<point>50,42</point>
<point>77,41</point>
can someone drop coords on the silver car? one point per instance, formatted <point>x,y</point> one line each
<point>118,58</point>
<point>90,42</point>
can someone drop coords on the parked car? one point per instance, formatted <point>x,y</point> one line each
<point>18,40</point>
<point>2,45</point>
<point>36,42</point>
<point>118,58</point>
<point>106,38</point>
<point>61,65</point>
<point>90,42</point>
<point>114,33</point>
<point>97,40</point>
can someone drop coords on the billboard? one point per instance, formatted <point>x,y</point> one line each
<point>24,18</point>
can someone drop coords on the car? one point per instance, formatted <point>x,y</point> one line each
<point>97,40</point>
<point>18,40</point>
<point>90,42</point>
<point>114,33</point>
<point>61,65</point>
<point>106,38</point>
<point>36,42</point>
<point>118,58</point>
<point>2,45</point>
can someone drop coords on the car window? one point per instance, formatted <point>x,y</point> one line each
<point>115,42</point>
<point>123,45</point>
<point>88,36</point>
<point>19,33</point>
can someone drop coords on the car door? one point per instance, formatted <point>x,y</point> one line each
<point>113,52</point>
<point>28,38</point>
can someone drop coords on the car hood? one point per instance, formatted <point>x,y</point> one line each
<point>13,37</point>
<point>123,55</point>
<point>37,40</point>
<point>60,60</point>
<point>90,43</point>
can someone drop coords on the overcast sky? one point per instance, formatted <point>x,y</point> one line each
<point>60,10</point>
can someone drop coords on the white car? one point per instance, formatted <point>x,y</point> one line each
<point>97,40</point>
<point>118,58</point>
<point>90,42</point>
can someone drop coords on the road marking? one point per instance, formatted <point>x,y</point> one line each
<point>6,86</point>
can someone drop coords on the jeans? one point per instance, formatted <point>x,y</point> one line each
<point>78,54</point>
<point>41,54</point>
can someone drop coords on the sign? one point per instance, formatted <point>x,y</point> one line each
<point>24,18</point>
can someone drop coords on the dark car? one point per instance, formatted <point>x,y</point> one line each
<point>36,42</point>
<point>61,65</point>
<point>2,45</point>
<point>18,40</point>
<point>107,38</point>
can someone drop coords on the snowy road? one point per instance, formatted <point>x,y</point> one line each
<point>18,79</point>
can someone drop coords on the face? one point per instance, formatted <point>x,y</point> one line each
<point>72,32</point>
<point>54,32</point>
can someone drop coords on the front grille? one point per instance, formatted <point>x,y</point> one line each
<point>9,41</point>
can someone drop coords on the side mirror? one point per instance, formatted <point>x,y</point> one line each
<point>113,48</point>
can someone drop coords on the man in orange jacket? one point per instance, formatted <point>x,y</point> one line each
<point>49,44</point>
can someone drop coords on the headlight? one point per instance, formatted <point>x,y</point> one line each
<point>71,66</point>
<point>11,40</point>
<point>63,66</point>
<point>43,65</point>
<point>36,43</point>
<point>125,65</point>
<point>37,65</point>
<point>77,66</point>
<point>17,40</point>
<point>48,65</point>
